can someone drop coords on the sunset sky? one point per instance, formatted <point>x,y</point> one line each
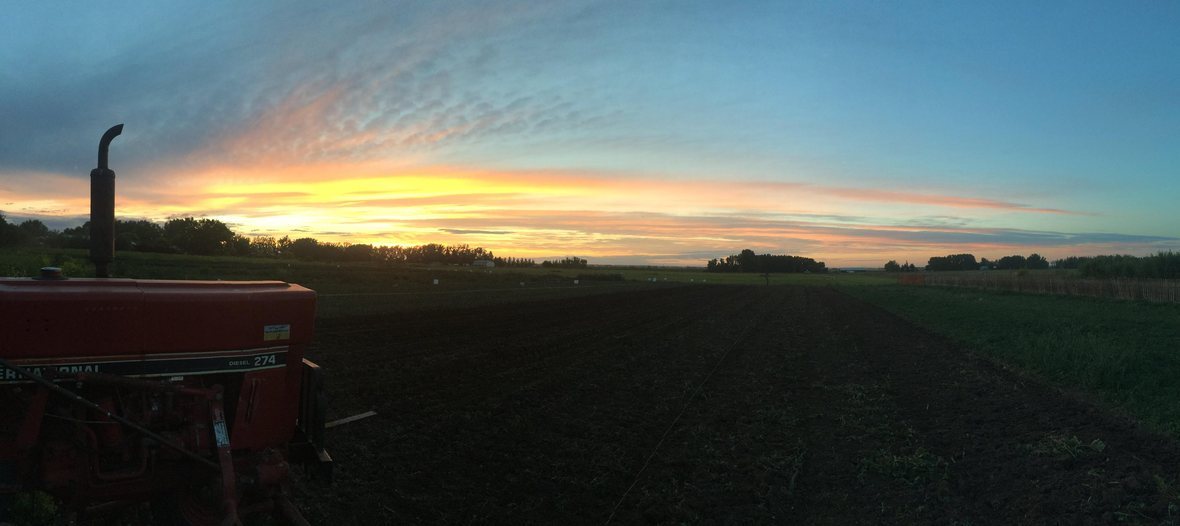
<point>621,132</point>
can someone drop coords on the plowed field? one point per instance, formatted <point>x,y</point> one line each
<point>711,405</point>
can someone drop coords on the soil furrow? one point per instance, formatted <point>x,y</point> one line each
<point>825,410</point>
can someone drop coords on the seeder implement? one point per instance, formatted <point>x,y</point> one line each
<point>191,395</point>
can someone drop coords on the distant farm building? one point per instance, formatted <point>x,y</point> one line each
<point>485,263</point>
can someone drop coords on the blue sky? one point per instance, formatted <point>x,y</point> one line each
<point>637,132</point>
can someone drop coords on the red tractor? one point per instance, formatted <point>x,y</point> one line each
<point>193,395</point>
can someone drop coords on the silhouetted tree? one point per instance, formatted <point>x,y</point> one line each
<point>30,232</point>
<point>748,261</point>
<point>358,253</point>
<point>1017,262</point>
<point>34,232</point>
<point>264,246</point>
<point>304,248</point>
<point>953,262</point>
<point>514,262</point>
<point>239,246</point>
<point>570,262</point>
<point>139,235</point>
<point>1010,263</point>
<point>9,234</point>
<point>203,237</point>
<point>79,236</point>
<point>1070,262</point>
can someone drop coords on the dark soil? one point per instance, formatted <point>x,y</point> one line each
<point>755,405</point>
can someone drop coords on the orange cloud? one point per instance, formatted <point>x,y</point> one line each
<point>861,194</point>
<point>902,197</point>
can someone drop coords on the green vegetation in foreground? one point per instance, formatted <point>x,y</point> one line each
<point>1127,353</point>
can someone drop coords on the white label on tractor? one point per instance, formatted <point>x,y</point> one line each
<point>220,434</point>
<point>276,332</point>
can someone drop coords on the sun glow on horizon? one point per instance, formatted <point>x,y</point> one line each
<point>545,214</point>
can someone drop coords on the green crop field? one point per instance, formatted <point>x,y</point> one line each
<point>1125,353</point>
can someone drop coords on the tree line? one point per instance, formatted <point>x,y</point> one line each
<point>24,233</point>
<point>892,266</point>
<point>968,262</point>
<point>570,262</point>
<point>1163,265</point>
<point>210,237</point>
<point>748,261</point>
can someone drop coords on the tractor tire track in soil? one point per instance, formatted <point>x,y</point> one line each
<point>824,410</point>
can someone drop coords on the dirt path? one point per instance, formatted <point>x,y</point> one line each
<point>817,409</point>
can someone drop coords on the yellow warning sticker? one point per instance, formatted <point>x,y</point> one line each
<point>276,332</point>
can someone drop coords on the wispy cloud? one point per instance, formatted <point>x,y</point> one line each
<point>279,85</point>
<point>878,195</point>
<point>461,232</point>
<point>948,201</point>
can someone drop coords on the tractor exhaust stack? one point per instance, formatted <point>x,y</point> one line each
<point>102,208</point>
